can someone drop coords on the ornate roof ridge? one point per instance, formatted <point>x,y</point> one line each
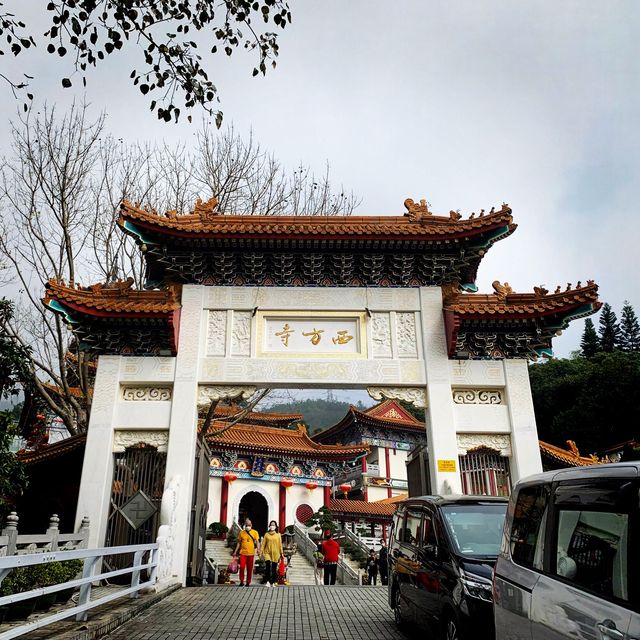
<point>571,455</point>
<point>117,297</point>
<point>505,300</point>
<point>223,409</point>
<point>306,444</point>
<point>52,450</point>
<point>418,221</point>
<point>380,407</point>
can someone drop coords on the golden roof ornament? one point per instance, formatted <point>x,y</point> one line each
<point>502,290</point>
<point>416,212</point>
<point>206,210</point>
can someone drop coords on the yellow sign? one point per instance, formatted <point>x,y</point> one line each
<point>447,465</point>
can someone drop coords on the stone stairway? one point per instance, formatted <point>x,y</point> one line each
<point>300,571</point>
<point>217,552</point>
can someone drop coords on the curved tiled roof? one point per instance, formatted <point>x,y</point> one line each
<point>505,302</point>
<point>54,450</point>
<point>226,410</point>
<point>117,298</point>
<point>284,442</point>
<point>569,457</point>
<point>370,418</point>
<point>206,223</point>
<point>362,508</point>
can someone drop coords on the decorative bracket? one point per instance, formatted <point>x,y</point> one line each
<point>415,396</point>
<point>207,394</point>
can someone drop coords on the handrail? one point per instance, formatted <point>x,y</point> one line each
<point>354,539</point>
<point>91,558</point>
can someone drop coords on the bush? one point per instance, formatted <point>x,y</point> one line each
<point>231,541</point>
<point>23,579</point>
<point>217,529</point>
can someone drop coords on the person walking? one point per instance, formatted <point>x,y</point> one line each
<point>372,568</point>
<point>272,553</point>
<point>248,543</point>
<point>383,563</point>
<point>330,552</point>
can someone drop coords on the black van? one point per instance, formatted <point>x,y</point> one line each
<point>441,554</point>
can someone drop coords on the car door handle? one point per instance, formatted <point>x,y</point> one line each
<point>608,630</point>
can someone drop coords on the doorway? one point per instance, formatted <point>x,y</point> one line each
<point>253,505</point>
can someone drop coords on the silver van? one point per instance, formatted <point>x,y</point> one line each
<point>569,565</point>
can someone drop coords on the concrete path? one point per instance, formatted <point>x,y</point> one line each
<point>262,613</point>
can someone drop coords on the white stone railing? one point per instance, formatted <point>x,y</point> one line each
<point>91,559</point>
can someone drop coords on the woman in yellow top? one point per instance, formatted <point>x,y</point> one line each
<point>272,553</point>
<point>248,540</point>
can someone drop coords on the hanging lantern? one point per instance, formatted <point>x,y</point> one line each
<point>286,483</point>
<point>229,476</point>
<point>345,487</point>
<point>311,485</point>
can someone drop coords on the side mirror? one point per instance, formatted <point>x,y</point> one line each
<point>431,552</point>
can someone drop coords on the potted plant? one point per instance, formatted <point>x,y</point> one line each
<point>217,531</point>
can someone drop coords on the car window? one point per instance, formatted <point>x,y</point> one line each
<point>592,551</point>
<point>429,541</point>
<point>475,529</point>
<point>527,534</point>
<point>412,532</point>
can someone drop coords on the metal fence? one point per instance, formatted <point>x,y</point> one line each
<point>485,472</point>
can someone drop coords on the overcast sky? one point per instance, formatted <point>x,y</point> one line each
<point>467,104</point>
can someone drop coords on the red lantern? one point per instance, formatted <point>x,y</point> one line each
<point>286,483</point>
<point>229,476</point>
<point>345,487</point>
<point>311,485</point>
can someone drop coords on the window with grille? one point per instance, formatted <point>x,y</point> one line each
<point>484,472</point>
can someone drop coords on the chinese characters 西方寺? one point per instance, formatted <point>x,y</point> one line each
<point>284,334</point>
<point>316,337</point>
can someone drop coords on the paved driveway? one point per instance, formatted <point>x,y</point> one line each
<point>262,613</point>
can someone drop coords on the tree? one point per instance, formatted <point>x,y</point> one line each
<point>594,401</point>
<point>609,330</point>
<point>589,344</point>
<point>60,192</point>
<point>322,520</point>
<point>629,329</point>
<point>13,370</point>
<point>168,35</point>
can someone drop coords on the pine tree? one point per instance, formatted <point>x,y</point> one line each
<point>630,329</point>
<point>609,331</point>
<point>590,344</point>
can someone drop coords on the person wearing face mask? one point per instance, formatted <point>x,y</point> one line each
<point>272,553</point>
<point>248,542</point>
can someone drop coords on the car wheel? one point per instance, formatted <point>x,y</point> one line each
<point>399,610</point>
<point>451,629</point>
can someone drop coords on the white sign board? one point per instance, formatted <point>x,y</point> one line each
<point>312,335</point>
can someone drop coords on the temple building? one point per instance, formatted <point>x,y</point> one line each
<point>390,431</point>
<point>263,469</point>
<point>233,305</point>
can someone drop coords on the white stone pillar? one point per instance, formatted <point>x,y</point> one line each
<point>525,458</point>
<point>181,449</point>
<point>97,468</point>
<point>441,429</point>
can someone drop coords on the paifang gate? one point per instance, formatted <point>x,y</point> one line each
<point>234,304</point>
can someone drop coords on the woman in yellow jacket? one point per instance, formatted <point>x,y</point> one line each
<point>272,553</point>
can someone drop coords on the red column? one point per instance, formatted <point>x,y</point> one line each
<point>364,486</point>
<point>384,533</point>
<point>224,499</point>
<point>388,466</point>
<point>282,520</point>
<point>327,495</point>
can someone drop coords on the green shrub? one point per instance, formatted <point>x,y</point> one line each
<point>218,528</point>
<point>23,579</point>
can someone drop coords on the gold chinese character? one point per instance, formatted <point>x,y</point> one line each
<point>284,334</point>
<point>316,335</point>
<point>342,338</point>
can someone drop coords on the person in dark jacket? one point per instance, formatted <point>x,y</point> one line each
<point>372,568</point>
<point>383,563</point>
<point>331,553</point>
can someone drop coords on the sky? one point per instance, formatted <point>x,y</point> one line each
<point>468,104</point>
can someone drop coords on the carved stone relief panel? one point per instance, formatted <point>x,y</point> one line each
<point>381,335</point>
<point>216,333</point>
<point>241,334</point>
<point>208,393</point>
<point>477,396</point>
<point>497,441</point>
<point>406,335</point>
<point>154,438</point>
<point>146,393</point>
<point>417,397</point>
